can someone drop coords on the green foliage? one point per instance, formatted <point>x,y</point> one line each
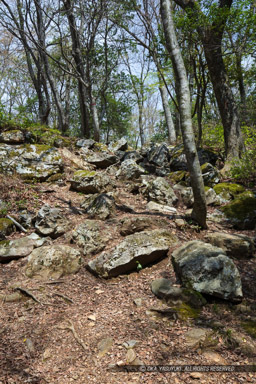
<point>213,137</point>
<point>139,266</point>
<point>244,169</point>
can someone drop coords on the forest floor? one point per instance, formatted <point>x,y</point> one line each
<point>76,331</point>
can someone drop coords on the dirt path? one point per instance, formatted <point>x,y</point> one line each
<point>76,334</point>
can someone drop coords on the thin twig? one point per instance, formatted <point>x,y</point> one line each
<point>64,297</point>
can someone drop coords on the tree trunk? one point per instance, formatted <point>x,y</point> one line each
<point>211,35</point>
<point>141,130</point>
<point>168,115</point>
<point>199,208</point>
<point>223,93</point>
<point>78,58</point>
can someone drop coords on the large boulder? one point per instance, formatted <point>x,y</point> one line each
<point>91,182</point>
<point>158,190</point>
<point>101,206</point>
<point>143,248</point>
<point>159,155</point>
<point>237,246</point>
<point>208,270</point>
<point>75,161</point>
<point>51,222</point>
<point>53,261</point>
<point>15,249</point>
<point>30,161</point>
<point>129,170</point>
<point>92,235</point>
<point>242,211</point>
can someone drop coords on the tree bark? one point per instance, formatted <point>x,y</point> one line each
<point>78,58</point>
<point>224,96</point>
<point>199,208</point>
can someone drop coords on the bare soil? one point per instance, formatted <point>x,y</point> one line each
<point>56,340</point>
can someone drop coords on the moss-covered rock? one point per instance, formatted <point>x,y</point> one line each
<point>242,211</point>
<point>176,177</point>
<point>6,228</point>
<point>228,190</point>
<point>30,161</point>
<point>14,136</point>
<point>91,182</point>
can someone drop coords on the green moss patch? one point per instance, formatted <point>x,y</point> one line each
<point>83,173</point>
<point>186,312</point>
<point>228,189</point>
<point>242,210</point>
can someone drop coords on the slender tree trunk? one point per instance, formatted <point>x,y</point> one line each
<point>95,119</point>
<point>78,58</point>
<point>168,114</point>
<point>199,208</point>
<point>141,129</point>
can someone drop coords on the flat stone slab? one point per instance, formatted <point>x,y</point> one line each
<point>15,249</point>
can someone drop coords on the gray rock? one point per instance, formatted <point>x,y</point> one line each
<point>159,155</point>
<point>85,143</point>
<point>51,222</point>
<point>15,249</point>
<point>129,169</point>
<point>12,137</point>
<point>237,246</point>
<point>211,175</point>
<point>208,270</point>
<point>158,190</point>
<point>91,235</point>
<point>152,206</point>
<point>120,145</point>
<point>53,261</point>
<point>30,161</point>
<point>132,155</point>
<point>91,182</point>
<point>144,247</point>
<point>186,194</point>
<point>26,219</point>
<point>101,159</point>
<point>164,289</point>
<point>101,206</point>
<point>130,225</point>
